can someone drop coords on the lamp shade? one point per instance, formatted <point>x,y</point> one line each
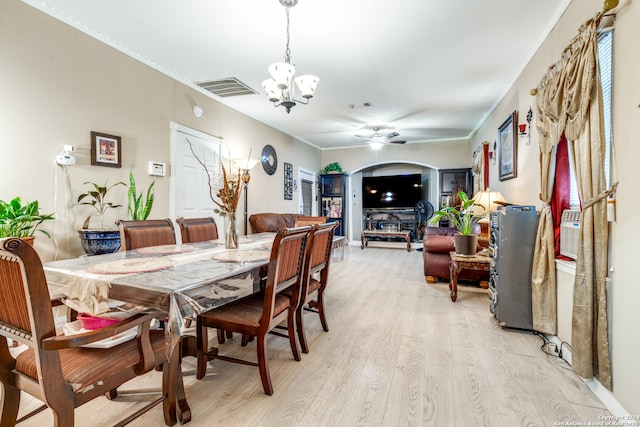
<point>282,73</point>
<point>245,163</point>
<point>307,85</point>
<point>271,88</point>
<point>485,201</point>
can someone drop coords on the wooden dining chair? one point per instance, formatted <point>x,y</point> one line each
<point>315,279</point>
<point>148,232</point>
<point>197,229</point>
<point>256,315</point>
<point>56,369</point>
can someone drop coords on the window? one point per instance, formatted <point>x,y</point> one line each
<point>605,42</point>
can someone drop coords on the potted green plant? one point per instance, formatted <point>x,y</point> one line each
<point>332,168</point>
<point>100,240</point>
<point>22,221</point>
<point>139,205</point>
<point>464,218</point>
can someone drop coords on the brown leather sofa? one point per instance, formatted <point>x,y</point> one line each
<point>437,243</point>
<point>272,222</point>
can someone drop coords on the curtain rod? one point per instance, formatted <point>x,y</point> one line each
<point>606,7</point>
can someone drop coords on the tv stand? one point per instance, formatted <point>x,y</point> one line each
<point>391,220</point>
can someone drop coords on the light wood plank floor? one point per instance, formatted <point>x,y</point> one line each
<point>399,353</point>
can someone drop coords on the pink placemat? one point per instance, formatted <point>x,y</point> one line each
<point>134,265</point>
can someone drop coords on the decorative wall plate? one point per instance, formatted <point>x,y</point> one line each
<point>269,160</point>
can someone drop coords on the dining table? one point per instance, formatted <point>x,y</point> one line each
<point>178,280</point>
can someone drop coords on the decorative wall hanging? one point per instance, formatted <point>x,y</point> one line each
<point>508,148</point>
<point>269,160</point>
<point>288,181</point>
<point>106,150</point>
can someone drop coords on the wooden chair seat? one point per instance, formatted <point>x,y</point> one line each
<point>243,314</point>
<point>85,367</point>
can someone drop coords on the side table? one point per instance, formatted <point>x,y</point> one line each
<point>464,262</point>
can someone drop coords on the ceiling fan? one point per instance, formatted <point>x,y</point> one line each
<point>378,139</point>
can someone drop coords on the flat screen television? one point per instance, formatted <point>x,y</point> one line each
<point>391,191</point>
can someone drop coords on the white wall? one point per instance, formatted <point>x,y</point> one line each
<point>59,84</point>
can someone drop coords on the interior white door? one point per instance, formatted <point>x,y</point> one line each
<point>189,183</point>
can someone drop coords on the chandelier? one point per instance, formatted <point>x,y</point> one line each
<point>280,89</point>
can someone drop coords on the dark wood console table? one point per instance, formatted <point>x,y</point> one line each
<point>463,262</point>
<point>379,233</point>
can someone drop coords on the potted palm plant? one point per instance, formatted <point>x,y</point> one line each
<point>100,240</point>
<point>21,220</point>
<point>464,218</point>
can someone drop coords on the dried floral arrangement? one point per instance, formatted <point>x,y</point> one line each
<point>227,196</point>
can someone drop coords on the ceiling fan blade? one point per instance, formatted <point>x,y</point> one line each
<point>392,135</point>
<point>397,142</point>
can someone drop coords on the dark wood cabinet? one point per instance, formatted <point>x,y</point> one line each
<point>333,200</point>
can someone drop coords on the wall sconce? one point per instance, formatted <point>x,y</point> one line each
<point>525,128</point>
<point>492,154</point>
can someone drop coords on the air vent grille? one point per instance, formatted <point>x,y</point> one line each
<point>227,87</point>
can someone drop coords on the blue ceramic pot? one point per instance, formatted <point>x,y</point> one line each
<point>96,242</point>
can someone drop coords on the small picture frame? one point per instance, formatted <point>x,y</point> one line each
<point>508,148</point>
<point>106,150</point>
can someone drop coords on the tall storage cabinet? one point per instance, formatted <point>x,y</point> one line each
<point>333,200</point>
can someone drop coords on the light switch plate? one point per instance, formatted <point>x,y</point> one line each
<point>157,169</point>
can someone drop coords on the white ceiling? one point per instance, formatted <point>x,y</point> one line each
<point>431,70</point>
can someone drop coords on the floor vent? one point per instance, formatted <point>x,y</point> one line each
<point>227,87</point>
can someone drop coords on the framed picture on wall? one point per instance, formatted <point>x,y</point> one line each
<point>106,150</point>
<point>508,148</point>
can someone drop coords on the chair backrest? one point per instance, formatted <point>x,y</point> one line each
<point>310,220</point>
<point>148,232</point>
<point>321,246</point>
<point>25,303</point>
<point>197,229</point>
<point>286,268</point>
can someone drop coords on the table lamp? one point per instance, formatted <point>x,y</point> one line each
<point>485,202</point>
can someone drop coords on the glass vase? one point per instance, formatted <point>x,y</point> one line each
<point>231,231</point>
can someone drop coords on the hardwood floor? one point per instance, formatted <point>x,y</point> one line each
<point>399,353</point>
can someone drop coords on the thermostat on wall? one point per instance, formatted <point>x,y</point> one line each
<point>157,168</point>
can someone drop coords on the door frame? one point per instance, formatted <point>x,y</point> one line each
<point>308,175</point>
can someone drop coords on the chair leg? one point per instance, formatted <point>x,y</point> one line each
<point>63,411</point>
<point>264,365</point>
<point>202,342</point>
<point>300,329</point>
<point>291,331</point>
<point>221,334</point>
<point>10,405</point>
<point>323,319</point>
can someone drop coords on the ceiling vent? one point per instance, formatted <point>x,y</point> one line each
<point>227,87</point>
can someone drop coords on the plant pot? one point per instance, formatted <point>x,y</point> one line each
<point>97,242</point>
<point>465,245</point>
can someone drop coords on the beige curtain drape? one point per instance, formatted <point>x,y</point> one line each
<point>569,101</point>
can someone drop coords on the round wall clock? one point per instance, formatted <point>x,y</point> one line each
<point>269,160</point>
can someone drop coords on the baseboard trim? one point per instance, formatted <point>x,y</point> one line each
<point>602,393</point>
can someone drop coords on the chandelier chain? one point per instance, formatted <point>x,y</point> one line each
<point>287,52</point>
